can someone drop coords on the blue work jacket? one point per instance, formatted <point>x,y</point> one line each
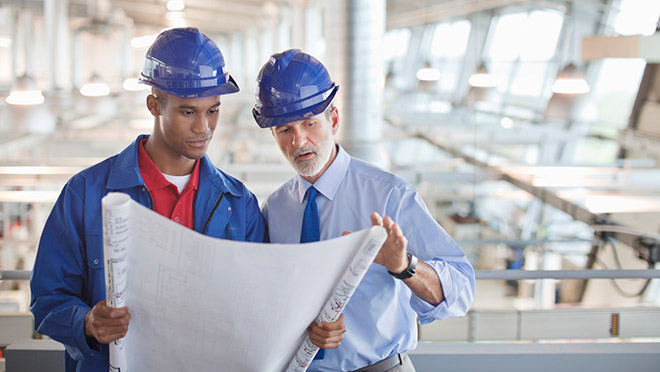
<point>68,276</point>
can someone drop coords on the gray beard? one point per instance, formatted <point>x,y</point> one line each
<point>312,167</point>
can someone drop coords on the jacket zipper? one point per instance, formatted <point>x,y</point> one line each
<point>206,225</point>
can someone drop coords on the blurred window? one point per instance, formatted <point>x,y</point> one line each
<point>522,47</point>
<point>450,41</point>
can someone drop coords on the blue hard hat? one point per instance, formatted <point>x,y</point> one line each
<point>186,63</point>
<point>292,86</point>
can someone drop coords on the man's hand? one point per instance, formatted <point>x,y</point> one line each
<point>106,324</point>
<point>328,335</point>
<point>393,254</point>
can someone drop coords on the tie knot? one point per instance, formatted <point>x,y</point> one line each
<point>311,193</point>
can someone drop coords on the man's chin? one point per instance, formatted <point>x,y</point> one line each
<point>306,171</point>
<point>196,155</point>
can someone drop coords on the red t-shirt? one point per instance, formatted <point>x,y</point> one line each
<point>167,200</point>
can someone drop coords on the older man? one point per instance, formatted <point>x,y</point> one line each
<point>420,275</point>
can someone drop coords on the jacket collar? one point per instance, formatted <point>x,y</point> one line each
<point>125,172</point>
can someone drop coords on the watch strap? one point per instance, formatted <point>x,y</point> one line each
<point>409,271</point>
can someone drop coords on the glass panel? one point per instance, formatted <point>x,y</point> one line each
<point>532,37</point>
<point>529,79</point>
<point>637,17</point>
<point>450,72</point>
<point>451,39</point>
<point>501,71</point>
<point>616,90</point>
<point>395,43</point>
<point>596,151</point>
<point>5,47</point>
<point>508,37</point>
<point>450,42</point>
<point>540,39</point>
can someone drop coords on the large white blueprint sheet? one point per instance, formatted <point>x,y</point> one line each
<point>204,304</point>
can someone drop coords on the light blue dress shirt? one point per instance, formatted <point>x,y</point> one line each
<point>381,316</point>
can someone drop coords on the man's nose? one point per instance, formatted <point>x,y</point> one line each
<point>299,139</point>
<point>201,125</point>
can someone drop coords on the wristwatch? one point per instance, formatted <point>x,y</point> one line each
<point>409,271</point>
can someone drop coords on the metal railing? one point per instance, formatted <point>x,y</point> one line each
<point>482,274</point>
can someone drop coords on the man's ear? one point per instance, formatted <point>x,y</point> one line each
<point>153,105</point>
<point>334,119</point>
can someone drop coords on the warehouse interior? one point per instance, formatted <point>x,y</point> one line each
<point>530,128</point>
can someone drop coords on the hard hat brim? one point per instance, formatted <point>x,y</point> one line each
<point>290,117</point>
<point>227,88</point>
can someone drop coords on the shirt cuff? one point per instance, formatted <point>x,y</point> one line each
<point>427,312</point>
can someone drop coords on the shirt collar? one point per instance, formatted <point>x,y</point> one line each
<point>330,180</point>
<point>153,177</point>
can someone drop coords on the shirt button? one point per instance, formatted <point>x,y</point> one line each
<point>176,219</point>
<point>228,208</point>
<point>96,261</point>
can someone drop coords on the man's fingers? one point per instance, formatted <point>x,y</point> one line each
<point>387,224</point>
<point>327,343</point>
<point>117,312</point>
<point>337,325</point>
<point>396,231</point>
<point>376,219</point>
<point>328,335</point>
<point>107,335</point>
<point>326,339</point>
<point>100,323</point>
<point>403,242</point>
<point>105,323</point>
<point>344,233</point>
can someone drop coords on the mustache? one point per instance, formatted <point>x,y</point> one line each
<point>303,150</point>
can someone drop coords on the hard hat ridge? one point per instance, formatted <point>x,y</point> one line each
<point>186,63</point>
<point>292,86</point>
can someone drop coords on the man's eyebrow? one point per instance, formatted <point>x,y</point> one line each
<point>193,107</point>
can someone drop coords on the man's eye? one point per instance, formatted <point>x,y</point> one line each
<point>187,113</point>
<point>214,111</point>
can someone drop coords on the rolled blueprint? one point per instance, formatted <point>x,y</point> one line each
<point>116,210</point>
<point>177,281</point>
<point>341,295</point>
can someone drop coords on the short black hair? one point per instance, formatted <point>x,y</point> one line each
<point>160,95</point>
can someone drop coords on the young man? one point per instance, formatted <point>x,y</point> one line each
<point>420,276</point>
<point>167,171</point>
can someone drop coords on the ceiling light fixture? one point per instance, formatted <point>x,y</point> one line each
<point>25,92</point>
<point>175,5</point>
<point>570,81</point>
<point>132,85</point>
<point>95,87</point>
<point>5,42</point>
<point>428,73</point>
<point>482,78</point>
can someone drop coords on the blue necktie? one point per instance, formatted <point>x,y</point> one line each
<point>310,227</point>
<point>310,231</point>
